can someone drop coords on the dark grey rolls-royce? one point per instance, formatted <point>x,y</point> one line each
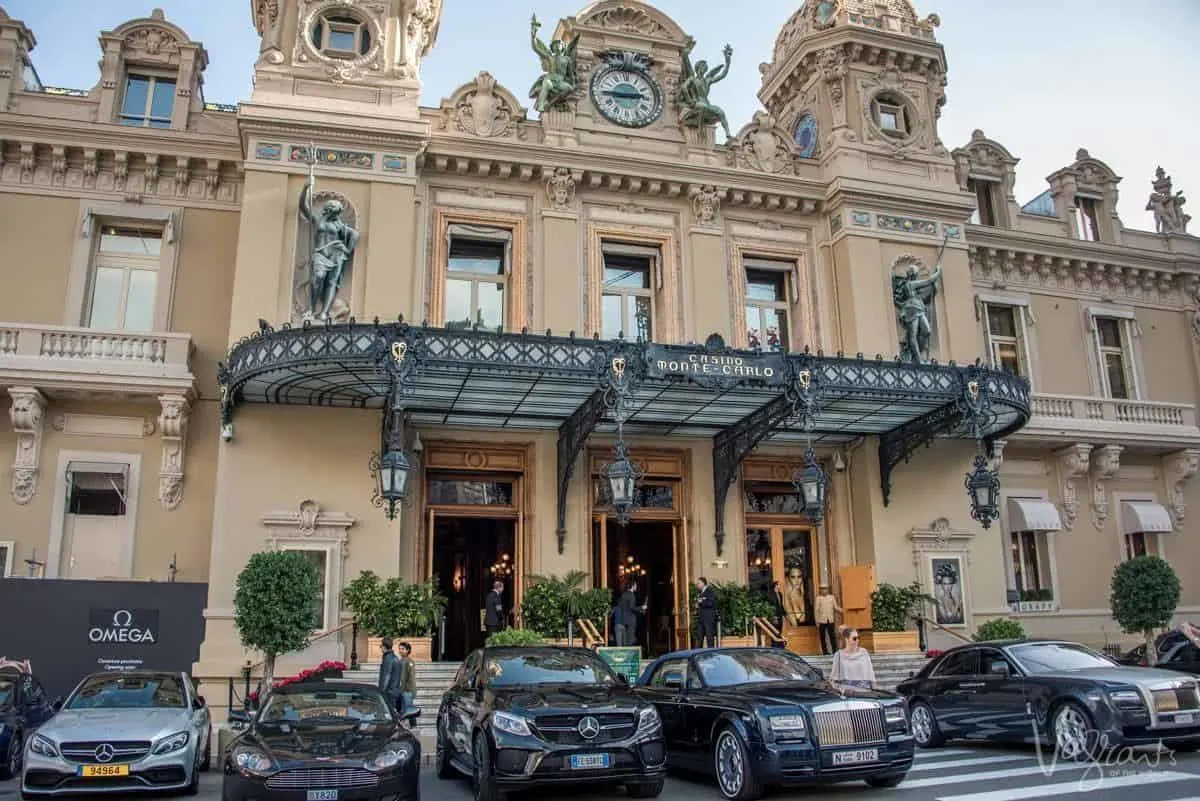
<point>1050,691</point>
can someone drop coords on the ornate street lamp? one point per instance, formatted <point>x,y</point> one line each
<point>810,483</point>
<point>392,468</point>
<point>983,490</point>
<point>622,476</point>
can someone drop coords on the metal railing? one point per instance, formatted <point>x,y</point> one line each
<point>764,628</point>
<point>350,624</point>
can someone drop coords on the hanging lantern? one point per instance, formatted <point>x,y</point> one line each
<point>810,483</point>
<point>983,490</point>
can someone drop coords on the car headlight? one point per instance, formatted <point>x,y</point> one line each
<point>649,721</point>
<point>511,724</point>
<point>788,726</point>
<point>1129,700</point>
<point>251,760</point>
<point>42,746</point>
<point>392,756</point>
<point>894,714</point>
<point>169,745</point>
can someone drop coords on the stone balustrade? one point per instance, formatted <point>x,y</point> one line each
<point>1070,416</point>
<point>70,358</point>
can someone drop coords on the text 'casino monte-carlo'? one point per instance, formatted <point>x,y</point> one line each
<point>583,326</point>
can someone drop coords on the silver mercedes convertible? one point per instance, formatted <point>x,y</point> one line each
<point>122,732</point>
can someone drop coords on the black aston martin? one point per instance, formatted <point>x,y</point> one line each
<point>323,741</point>
<point>1053,691</point>
<point>761,717</point>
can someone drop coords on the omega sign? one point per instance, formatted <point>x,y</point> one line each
<point>123,626</point>
<point>663,363</point>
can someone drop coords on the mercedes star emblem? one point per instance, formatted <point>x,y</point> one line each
<point>589,727</point>
<point>105,752</point>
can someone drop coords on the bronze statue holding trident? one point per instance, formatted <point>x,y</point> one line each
<point>696,110</point>
<point>331,247</point>
<point>560,79</point>
<point>912,294</point>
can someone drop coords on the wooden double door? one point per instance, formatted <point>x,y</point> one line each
<point>785,554</point>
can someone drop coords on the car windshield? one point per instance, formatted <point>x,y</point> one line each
<point>319,705</point>
<point>726,668</point>
<point>1050,657</point>
<point>129,692</point>
<point>8,690</point>
<point>566,667</point>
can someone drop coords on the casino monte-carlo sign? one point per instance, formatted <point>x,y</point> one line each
<point>664,361</point>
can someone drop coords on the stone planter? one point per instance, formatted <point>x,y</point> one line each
<point>880,642</point>
<point>422,648</point>
<point>374,652</point>
<point>729,641</point>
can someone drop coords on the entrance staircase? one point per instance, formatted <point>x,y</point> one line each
<point>434,678</point>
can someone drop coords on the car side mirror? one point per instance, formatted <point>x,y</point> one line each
<point>57,704</point>
<point>999,669</point>
<point>410,717</point>
<point>673,683</point>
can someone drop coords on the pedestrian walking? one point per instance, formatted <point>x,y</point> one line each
<point>493,618</point>
<point>706,612</point>
<point>408,679</point>
<point>827,605</point>
<point>852,664</point>
<point>389,674</point>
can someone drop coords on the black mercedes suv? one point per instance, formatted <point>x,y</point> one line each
<point>523,717</point>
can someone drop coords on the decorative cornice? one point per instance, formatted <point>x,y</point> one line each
<point>27,414</point>
<point>940,537</point>
<point>1178,469</point>
<point>1105,462</point>
<point>1073,464</point>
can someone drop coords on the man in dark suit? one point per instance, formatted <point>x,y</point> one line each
<point>493,614</point>
<point>706,608</point>
<point>628,615</point>
<point>390,675</point>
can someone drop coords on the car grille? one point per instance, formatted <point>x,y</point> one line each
<point>322,778</point>
<point>124,751</point>
<point>564,729</point>
<point>849,726</point>
<point>1180,698</point>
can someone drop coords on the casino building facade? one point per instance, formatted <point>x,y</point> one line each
<point>591,338</point>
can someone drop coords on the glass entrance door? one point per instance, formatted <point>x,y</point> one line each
<point>643,554</point>
<point>784,555</point>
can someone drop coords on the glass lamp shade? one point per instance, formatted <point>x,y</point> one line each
<point>620,476</point>
<point>810,483</point>
<point>393,475</point>
<point>983,491</point>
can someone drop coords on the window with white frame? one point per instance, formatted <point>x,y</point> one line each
<point>1086,218</point>
<point>1030,565</point>
<point>627,297</point>
<point>123,281</point>
<point>1005,329</point>
<point>319,558</point>
<point>341,36</point>
<point>1114,356</point>
<point>477,273</point>
<point>769,298</point>
<point>148,101</point>
<point>7,549</point>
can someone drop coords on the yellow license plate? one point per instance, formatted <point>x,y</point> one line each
<point>103,771</point>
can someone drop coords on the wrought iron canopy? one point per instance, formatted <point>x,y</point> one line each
<point>491,380</point>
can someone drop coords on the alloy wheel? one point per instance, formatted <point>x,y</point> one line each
<point>731,765</point>
<point>1071,732</point>
<point>477,773</point>
<point>922,724</point>
<point>15,750</point>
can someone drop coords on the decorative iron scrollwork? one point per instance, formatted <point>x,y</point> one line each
<point>397,354</point>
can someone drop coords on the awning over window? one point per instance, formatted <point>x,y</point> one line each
<point>1033,514</point>
<point>1145,516</point>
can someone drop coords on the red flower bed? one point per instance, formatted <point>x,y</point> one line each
<point>326,669</point>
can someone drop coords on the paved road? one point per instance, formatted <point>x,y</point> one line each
<point>967,773</point>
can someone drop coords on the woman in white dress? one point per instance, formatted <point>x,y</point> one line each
<point>852,663</point>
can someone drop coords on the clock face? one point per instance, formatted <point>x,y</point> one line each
<point>628,97</point>
<point>806,136</point>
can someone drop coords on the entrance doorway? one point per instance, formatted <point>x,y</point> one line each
<point>641,553</point>
<point>784,554</point>
<point>469,555</point>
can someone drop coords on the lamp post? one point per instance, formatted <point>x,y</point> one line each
<point>810,483</point>
<point>983,490</point>
<point>621,475</point>
<point>392,467</point>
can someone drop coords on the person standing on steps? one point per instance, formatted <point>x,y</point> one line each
<point>826,607</point>
<point>627,611</point>
<point>390,677</point>
<point>852,665</point>
<point>408,678</point>
<point>706,608</point>
<point>493,618</point>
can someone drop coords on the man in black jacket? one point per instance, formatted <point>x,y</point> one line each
<point>390,675</point>
<point>627,613</point>
<point>706,608</point>
<point>493,615</point>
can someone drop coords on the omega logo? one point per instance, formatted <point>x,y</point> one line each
<point>589,727</point>
<point>122,630</point>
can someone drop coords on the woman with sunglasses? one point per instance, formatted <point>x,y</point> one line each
<point>852,664</point>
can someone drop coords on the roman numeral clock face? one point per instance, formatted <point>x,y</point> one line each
<point>628,97</point>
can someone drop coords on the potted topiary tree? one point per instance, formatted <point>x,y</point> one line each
<point>410,612</point>
<point>1145,594</point>
<point>364,598</point>
<point>276,605</point>
<point>891,609</point>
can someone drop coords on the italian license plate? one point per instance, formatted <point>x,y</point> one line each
<point>103,771</point>
<point>588,761</point>
<point>322,795</point>
<point>1185,719</point>
<point>855,757</point>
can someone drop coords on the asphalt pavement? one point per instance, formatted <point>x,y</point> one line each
<point>959,773</point>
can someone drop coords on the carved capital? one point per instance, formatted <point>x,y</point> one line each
<point>27,413</point>
<point>560,187</point>
<point>706,203</point>
<point>997,454</point>
<point>1073,464</point>
<point>1105,462</point>
<point>1178,469</point>
<point>173,425</point>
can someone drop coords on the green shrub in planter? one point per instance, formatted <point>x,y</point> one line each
<point>737,606</point>
<point>892,606</point>
<point>1001,628</point>
<point>1145,594</point>
<point>523,638</point>
<point>596,605</point>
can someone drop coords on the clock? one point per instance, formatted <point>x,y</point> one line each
<point>806,136</point>
<point>625,93</point>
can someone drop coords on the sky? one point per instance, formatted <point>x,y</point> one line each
<point>1041,77</point>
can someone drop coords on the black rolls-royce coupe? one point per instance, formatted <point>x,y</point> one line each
<point>1175,652</point>
<point>761,717</point>
<point>524,717</point>
<point>323,741</point>
<point>1051,691</point>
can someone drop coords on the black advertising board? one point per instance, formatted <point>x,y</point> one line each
<point>68,629</point>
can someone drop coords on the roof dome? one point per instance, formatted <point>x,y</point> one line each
<point>817,15</point>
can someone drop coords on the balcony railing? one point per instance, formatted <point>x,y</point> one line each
<point>68,358</point>
<point>1077,416</point>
